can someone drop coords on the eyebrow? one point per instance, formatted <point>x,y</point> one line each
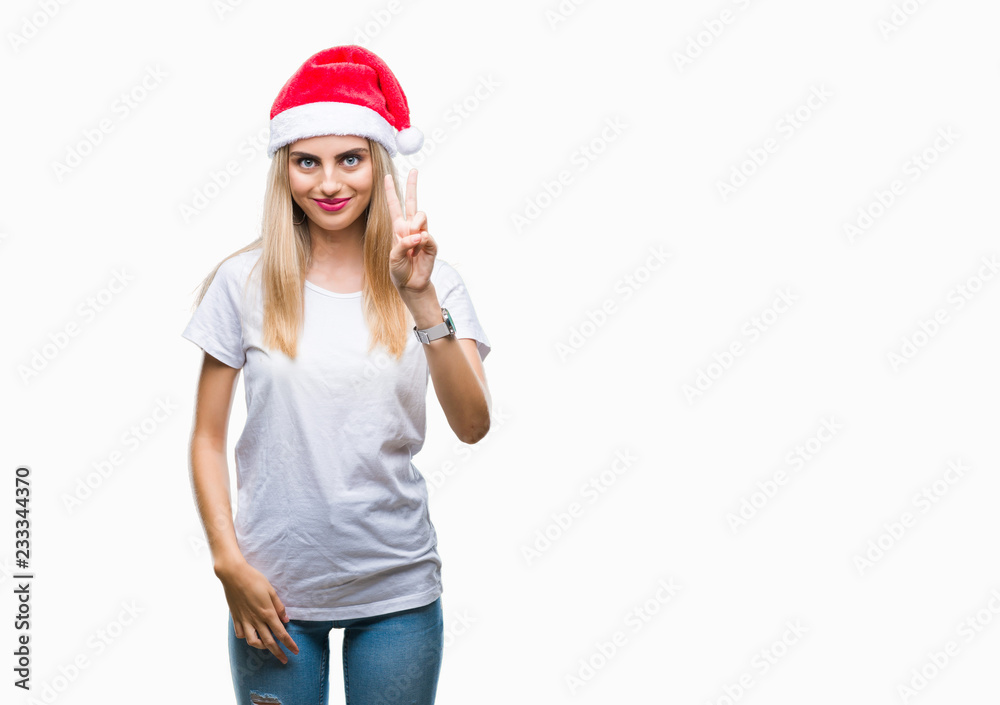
<point>342,154</point>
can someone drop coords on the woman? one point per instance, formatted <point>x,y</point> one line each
<point>338,314</point>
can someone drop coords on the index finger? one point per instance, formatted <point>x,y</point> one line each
<point>390,196</point>
<point>281,634</point>
<point>411,194</point>
<point>267,637</point>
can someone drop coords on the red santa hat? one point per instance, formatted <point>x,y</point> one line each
<point>344,90</point>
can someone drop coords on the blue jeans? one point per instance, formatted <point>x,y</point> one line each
<point>392,658</point>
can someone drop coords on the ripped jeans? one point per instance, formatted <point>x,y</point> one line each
<point>389,658</point>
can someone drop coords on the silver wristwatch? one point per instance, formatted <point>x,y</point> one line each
<point>446,327</point>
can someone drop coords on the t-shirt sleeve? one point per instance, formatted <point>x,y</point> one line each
<point>216,325</point>
<point>455,297</point>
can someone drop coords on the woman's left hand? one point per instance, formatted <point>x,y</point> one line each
<point>412,257</point>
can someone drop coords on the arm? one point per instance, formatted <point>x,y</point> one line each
<point>209,469</point>
<point>457,372</point>
<point>257,612</point>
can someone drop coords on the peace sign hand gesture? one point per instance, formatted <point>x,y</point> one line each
<point>412,256</point>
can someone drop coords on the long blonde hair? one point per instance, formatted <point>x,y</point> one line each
<point>287,255</point>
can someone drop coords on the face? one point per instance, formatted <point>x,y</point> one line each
<point>324,171</point>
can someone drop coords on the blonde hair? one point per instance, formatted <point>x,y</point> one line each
<point>287,255</point>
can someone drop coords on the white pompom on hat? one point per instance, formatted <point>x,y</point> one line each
<point>344,90</point>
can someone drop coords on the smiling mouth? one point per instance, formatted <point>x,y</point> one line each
<point>337,204</point>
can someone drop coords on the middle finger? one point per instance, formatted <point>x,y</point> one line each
<point>411,194</point>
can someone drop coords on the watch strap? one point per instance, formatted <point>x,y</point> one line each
<point>440,330</point>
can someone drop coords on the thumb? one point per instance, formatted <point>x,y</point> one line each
<point>279,608</point>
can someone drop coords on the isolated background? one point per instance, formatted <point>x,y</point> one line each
<point>519,627</point>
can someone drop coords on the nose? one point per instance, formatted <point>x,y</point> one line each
<point>331,181</point>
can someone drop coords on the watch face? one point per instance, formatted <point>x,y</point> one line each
<point>447,318</point>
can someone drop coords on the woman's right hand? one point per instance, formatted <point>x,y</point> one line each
<point>256,610</point>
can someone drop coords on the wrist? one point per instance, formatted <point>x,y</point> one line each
<point>425,308</point>
<point>226,565</point>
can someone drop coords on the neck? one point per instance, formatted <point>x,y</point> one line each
<point>337,258</point>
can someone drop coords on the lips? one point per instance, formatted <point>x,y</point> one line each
<point>332,204</point>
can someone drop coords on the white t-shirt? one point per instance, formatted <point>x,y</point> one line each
<point>331,508</point>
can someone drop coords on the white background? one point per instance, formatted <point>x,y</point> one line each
<point>521,627</point>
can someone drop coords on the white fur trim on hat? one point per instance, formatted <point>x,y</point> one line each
<point>326,118</point>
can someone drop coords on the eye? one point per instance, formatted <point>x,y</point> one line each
<point>303,159</point>
<point>353,156</point>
